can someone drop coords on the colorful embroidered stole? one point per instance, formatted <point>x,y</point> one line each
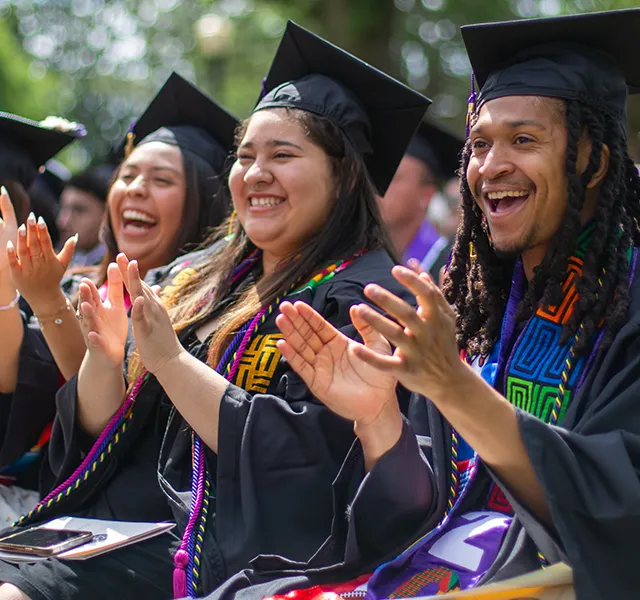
<point>539,376</point>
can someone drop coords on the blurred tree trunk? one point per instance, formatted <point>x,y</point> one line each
<point>363,27</point>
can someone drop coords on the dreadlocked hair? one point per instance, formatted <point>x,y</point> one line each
<point>478,286</point>
<point>477,279</point>
<point>352,226</point>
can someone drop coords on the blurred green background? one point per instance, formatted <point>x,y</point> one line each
<point>100,61</point>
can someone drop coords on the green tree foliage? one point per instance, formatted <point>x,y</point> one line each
<point>100,61</point>
<point>21,90</point>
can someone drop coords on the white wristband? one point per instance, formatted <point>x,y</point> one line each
<point>12,303</point>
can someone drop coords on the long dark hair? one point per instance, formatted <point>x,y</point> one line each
<point>206,205</point>
<point>19,198</point>
<point>478,286</point>
<point>353,225</point>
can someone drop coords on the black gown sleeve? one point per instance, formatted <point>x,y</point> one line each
<point>393,500</point>
<point>402,498</point>
<point>31,407</point>
<point>123,485</point>
<point>69,443</point>
<point>279,454</point>
<point>375,516</point>
<point>589,470</point>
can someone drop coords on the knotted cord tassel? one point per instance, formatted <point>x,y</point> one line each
<point>471,104</point>
<point>181,562</point>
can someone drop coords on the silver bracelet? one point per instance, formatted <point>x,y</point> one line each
<point>12,303</point>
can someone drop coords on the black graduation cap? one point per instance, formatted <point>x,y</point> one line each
<point>25,145</point>
<point>438,148</point>
<point>183,116</point>
<point>378,114</point>
<point>588,57</point>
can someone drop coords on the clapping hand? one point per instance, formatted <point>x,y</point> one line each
<point>328,362</point>
<point>155,337</point>
<point>8,228</point>
<point>426,357</point>
<point>36,269</point>
<point>104,324</point>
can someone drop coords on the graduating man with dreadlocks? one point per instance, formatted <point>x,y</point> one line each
<point>531,447</point>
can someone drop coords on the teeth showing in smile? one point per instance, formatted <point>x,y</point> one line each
<point>501,201</point>
<point>135,215</point>
<point>510,194</point>
<point>269,201</point>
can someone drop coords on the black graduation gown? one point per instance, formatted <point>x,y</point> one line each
<point>30,408</point>
<point>279,452</point>
<point>588,466</point>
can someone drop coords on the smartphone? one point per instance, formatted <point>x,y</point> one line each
<point>39,541</point>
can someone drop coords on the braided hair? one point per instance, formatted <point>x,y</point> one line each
<point>478,287</point>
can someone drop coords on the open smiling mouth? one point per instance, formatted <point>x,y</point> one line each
<point>502,203</point>
<point>135,220</point>
<point>266,202</point>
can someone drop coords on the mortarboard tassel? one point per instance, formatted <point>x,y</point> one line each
<point>471,104</point>
<point>128,147</point>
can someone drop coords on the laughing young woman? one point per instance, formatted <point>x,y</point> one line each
<point>246,455</point>
<point>166,196</point>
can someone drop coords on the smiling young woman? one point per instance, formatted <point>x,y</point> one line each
<point>212,429</point>
<point>277,208</point>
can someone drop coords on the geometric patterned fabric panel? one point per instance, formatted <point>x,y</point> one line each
<point>535,367</point>
<point>258,363</point>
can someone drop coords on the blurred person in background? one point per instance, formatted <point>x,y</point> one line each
<point>431,159</point>
<point>45,194</point>
<point>445,210</point>
<point>82,209</point>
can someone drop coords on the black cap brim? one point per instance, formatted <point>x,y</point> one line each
<point>394,109</point>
